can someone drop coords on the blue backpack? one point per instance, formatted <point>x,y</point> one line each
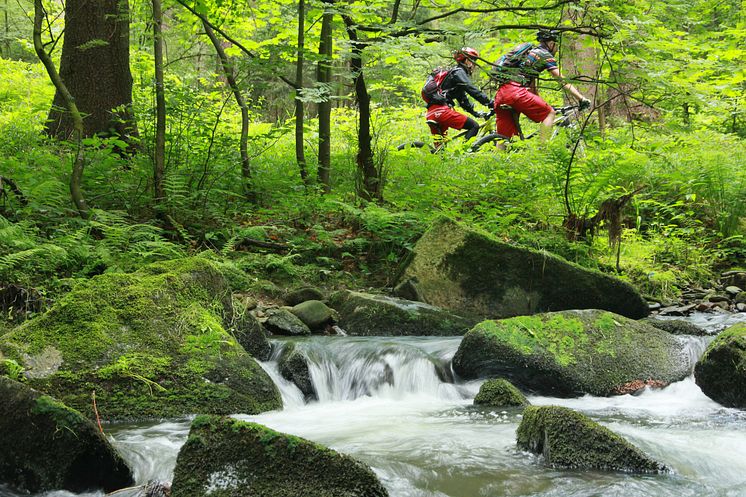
<point>507,67</point>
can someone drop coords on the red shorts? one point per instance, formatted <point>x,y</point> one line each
<point>445,117</point>
<point>522,101</point>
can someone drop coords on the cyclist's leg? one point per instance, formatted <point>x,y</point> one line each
<point>471,127</point>
<point>536,109</point>
<point>436,120</point>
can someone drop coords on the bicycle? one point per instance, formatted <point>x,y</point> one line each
<point>567,119</point>
<point>440,139</point>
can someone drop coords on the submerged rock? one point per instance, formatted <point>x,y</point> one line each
<point>572,353</point>
<point>45,445</point>
<point>472,273</point>
<point>224,457</point>
<point>500,393</point>
<point>721,371</point>
<point>568,439</point>
<point>379,315</point>
<point>150,343</point>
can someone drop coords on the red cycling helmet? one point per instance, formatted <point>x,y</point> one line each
<point>465,53</point>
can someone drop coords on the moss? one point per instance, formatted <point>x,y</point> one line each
<point>239,455</point>
<point>500,393</point>
<point>568,439</point>
<point>570,353</point>
<point>150,343</point>
<point>11,369</point>
<point>721,371</point>
<point>470,272</point>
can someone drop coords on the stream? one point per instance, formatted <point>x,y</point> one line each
<point>391,403</point>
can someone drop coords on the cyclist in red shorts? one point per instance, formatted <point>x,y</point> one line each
<point>517,73</point>
<point>455,88</point>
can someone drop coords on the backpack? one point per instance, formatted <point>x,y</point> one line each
<point>507,66</point>
<point>432,93</point>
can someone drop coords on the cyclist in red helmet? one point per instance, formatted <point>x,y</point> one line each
<point>517,72</point>
<point>456,87</point>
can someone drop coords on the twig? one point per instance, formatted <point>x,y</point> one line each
<point>95,410</point>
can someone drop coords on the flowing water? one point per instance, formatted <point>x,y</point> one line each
<point>392,403</point>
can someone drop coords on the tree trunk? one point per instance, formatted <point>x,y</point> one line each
<point>300,155</point>
<point>233,84</point>
<point>159,167</point>
<point>324,78</point>
<point>77,120</point>
<point>369,187</point>
<point>95,68</point>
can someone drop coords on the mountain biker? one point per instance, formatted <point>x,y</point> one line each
<point>455,88</point>
<point>518,88</point>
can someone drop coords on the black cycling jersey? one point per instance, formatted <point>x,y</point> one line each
<point>457,85</point>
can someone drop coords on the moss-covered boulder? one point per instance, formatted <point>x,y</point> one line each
<point>378,315</point>
<point>45,445</point>
<point>151,344</point>
<point>721,371</point>
<point>303,294</point>
<point>572,353</point>
<point>500,393</point>
<point>315,314</point>
<point>224,457</point>
<point>293,365</point>
<point>568,439</point>
<point>472,273</point>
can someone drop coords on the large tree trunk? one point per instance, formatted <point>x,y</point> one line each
<point>95,68</point>
<point>233,84</point>
<point>324,78</point>
<point>76,178</point>
<point>159,163</point>
<point>300,154</point>
<point>369,187</point>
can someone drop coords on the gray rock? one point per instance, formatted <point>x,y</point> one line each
<point>251,335</point>
<point>48,446</point>
<point>571,353</point>
<point>224,457</point>
<point>733,290</point>
<point>379,315</point>
<point>740,298</point>
<point>568,439</point>
<point>315,314</point>
<point>283,322</point>
<point>472,273</point>
<point>677,326</point>
<point>294,368</point>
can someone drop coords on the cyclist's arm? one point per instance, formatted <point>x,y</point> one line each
<point>464,84</point>
<point>555,72</point>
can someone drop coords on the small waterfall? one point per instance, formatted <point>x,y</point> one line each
<point>350,368</point>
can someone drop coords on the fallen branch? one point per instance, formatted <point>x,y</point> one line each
<point>13,186</point>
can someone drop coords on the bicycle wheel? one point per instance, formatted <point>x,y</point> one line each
<point>490,138</point>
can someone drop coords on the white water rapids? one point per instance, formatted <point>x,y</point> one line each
<point>391,403</point>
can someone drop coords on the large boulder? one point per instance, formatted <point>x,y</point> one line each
<point>150,343</point>
<point>721,371</point>
<point>472,273</point>
<point>45,445</point>
<point>568,439</point>
<point>572,353</point>
<point>224,457</point>
<point>379,315</point>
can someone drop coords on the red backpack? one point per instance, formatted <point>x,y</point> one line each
<point>432,93</point>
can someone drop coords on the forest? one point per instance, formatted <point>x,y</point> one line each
<point>283,145</point>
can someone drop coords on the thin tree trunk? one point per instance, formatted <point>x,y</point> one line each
<point>370,187</point>
<point>300,155</point>
<point>324,78</point>
<point>7,31</point>
<point>233,84</point>
<point>160,105</point>
<point>77,171</point>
